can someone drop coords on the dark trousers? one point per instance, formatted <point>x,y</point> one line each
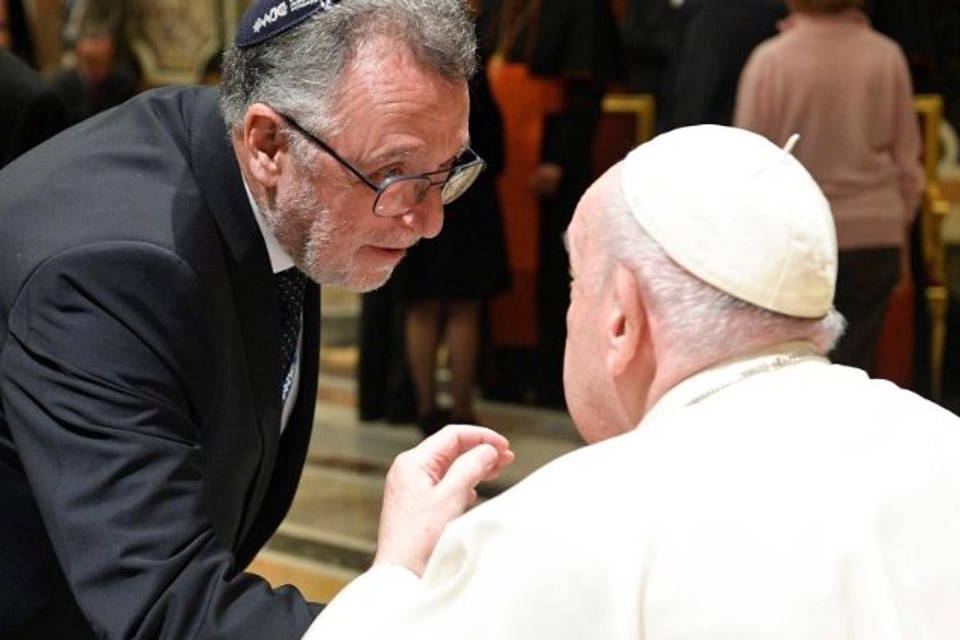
<point>866,279</point>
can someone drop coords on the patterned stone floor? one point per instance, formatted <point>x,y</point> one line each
<point>334,515</point>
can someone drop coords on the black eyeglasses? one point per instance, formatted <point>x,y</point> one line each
<point>397,194</point>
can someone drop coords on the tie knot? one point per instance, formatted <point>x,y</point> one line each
<point>290,285</point>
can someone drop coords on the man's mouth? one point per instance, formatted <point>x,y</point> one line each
<point>394,251</point>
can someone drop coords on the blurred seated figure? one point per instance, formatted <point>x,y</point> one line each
<point>739,485</point>
<point>846,90</point>
<point>95,82</point>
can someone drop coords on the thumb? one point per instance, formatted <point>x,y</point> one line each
<point>467,471</point>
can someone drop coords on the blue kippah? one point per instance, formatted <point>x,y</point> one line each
<point>266,18</point>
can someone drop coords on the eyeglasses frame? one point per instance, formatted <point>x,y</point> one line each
<point>379,189</point>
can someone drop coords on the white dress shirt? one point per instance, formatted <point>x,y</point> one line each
<point>279,261</point>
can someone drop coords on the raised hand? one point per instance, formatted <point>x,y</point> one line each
<point>430,485</point>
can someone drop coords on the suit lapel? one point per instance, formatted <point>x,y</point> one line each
<point>296,437</point>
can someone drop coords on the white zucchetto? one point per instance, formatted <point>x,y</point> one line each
<point>739,213</point>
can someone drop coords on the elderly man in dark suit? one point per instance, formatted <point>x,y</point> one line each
<point>159,316</point>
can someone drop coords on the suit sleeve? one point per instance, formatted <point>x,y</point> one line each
<point>103,376</point>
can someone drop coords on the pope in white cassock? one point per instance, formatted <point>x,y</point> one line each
<point>737,485</point>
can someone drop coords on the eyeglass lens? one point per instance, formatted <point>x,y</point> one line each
<point>401,195</point>
<point>459,181</point>
<point>404,193</point>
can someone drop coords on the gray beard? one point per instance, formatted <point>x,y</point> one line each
<point>313,255</point>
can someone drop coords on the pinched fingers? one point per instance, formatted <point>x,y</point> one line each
<point>466,472</point>
<point>440,451</point>
<point>430,485</point>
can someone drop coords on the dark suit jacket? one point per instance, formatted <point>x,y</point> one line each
<point>30,112</point>
<point>140,453</point>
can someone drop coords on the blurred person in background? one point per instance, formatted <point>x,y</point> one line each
<point>846,90</point>
<point>550,63</point>
<point>716,38</point>
<point>95,83</point>
<point>649,35</point>
<point>446,281</point>
<point>94,79</point>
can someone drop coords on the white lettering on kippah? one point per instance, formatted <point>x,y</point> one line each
<point>270,16</point>
<point>296,5</point>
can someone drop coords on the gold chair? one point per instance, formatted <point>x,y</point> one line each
<point>627,119</point>
<point>640,105</point>
<point>933,210</point>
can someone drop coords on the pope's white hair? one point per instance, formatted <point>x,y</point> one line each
<point>696,317</point>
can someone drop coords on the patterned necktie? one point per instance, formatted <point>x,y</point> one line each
<point>290,284</point>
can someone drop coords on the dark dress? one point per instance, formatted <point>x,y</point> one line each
<point>468,260</point>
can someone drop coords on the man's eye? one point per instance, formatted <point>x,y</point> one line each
<point>387,172</point>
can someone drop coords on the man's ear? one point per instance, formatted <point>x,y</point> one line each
<point>626,321</point>
<point>263,144</point>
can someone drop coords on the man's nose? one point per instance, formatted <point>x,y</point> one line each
<point>426,217</point>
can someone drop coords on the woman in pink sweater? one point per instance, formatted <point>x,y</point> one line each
<point>846,90</point>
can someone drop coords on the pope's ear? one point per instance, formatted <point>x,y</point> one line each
<point>263,144</point>
<point>626,321</point>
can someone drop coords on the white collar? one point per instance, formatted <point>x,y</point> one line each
<point>280,260</point>
<point>723,374</point>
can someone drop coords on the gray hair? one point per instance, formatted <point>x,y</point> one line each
<point>697,317</point>
<point>299,71</point>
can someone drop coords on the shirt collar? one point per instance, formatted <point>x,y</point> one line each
<point>280,260</point>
